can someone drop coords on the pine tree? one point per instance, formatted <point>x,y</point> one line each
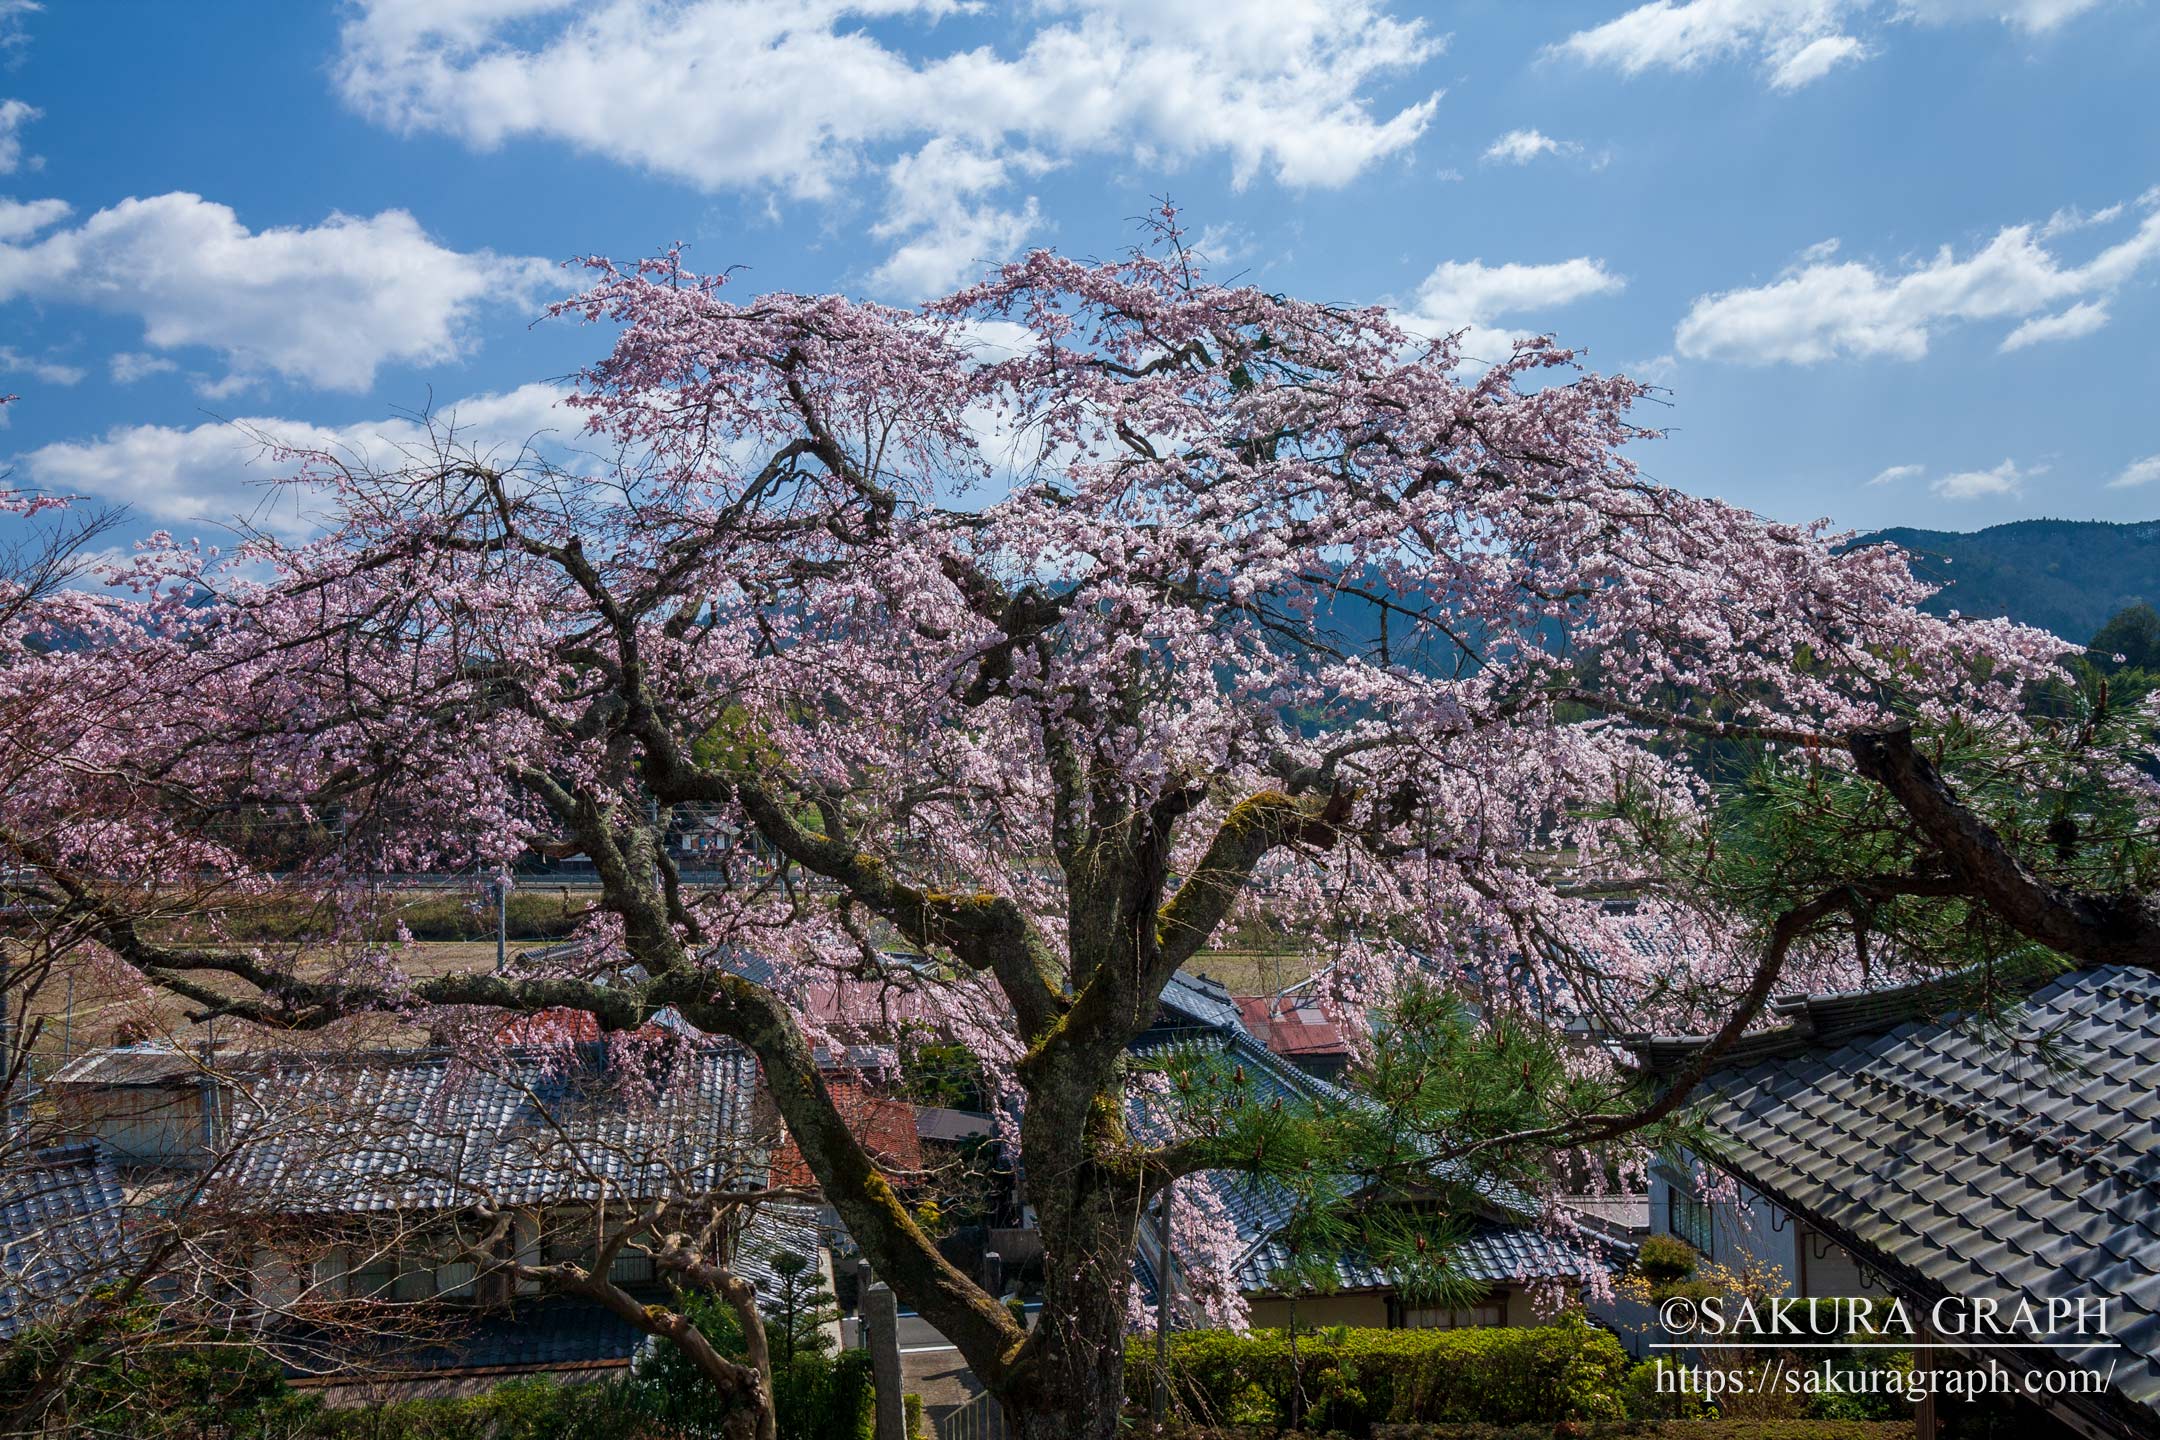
<point>799,1311</point>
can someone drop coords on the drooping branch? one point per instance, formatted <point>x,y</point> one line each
<point>873,1212</point>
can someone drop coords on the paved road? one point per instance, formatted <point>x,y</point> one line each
<point>917,1335</point>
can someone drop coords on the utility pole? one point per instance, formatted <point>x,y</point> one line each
<point>8,1076</point>
<point>502,921</point>
<point>1161,1406</point>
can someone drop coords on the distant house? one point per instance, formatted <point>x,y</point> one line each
<point>1310,1032</point>
<point>1506,1249</point>
<point>152,1104</point>
<point>1884,1143</point>
<point>372,1179</point>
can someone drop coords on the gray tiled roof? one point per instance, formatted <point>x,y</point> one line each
<point>150,1063</point>
<point>550,1333</point>
<point>433,1130</point>
<point>1492,1253</point>
<point>1191,999</point>
<point>60,1231</point>
<point>1496,1250</point>
<point>774,1229</point>
<point>1981,1161</point>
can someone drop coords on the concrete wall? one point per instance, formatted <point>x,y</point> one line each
<point>1746,1225</point>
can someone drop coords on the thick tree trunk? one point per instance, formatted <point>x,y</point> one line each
<point>1071,1385</point>
<point>1079,1389</point>
<point>1070,1382</point>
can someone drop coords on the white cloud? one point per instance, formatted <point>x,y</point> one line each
<point>20,219</point>
<point>1220,246</point>
<point>2137,472</point>
<point>1469,295</point>
<point>1472,291</point>
<point>128,366</point>
<point>992,340</point>
<point>944,231</point>
<point>52,372</point>
<point>1520,147</point>
<point>14,115</point>
<point>2004,479</point>
<point>327,304</point>
<point>1814,60</point>
<point>2032,16</point>
<point>1820,310</point>
<point>221,470</point>
<point>1795,42</point>
<point>2080,319</point>
<point>806,97</point>
<point>1894,473</point>
<point>1656,370</point>
<point>2070,219</point>
<point>14,14</point>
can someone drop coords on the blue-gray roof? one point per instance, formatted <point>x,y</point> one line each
<point>433,1130</point>
<point>1191,999</point>
<point>2019,1161</point>
<point>774,1230</point>
<point>1507,1246</point>
<point>61,1231</point>
<point>1494,1252</point>
<point>549,1332</point>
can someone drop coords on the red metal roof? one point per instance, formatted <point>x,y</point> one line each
<point>1295,1024</point>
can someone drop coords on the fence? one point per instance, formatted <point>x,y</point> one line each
<point>981,1418</point>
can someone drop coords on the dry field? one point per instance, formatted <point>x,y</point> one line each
<point>104,1005</point>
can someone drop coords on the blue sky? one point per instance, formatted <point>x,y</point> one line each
<point>1898,261</point>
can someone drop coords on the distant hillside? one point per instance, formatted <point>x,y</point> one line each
<point>2068,576</point>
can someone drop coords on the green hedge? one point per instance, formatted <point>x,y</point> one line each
<point>1354,1380</point>
<point>1661,1430</point>
<point>532,1409</point>
<point>1631,1430</point>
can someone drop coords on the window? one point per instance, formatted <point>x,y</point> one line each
<point>1453,1317</point>
<point>1687,1216</point>
<point>415,1280</point>
<point>632,1267</point>
<point>373,1281</point>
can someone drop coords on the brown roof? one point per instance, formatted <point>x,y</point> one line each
<point>885,1127</point>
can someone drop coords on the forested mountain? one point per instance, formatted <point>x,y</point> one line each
<point>2068,576</point>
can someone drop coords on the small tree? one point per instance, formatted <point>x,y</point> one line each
<point>800,1308</point>
<point>2133,633</point>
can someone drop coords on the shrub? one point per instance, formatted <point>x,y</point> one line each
<point>1352,1380</point>
<point>1647,1400</point>
<point>817,1396</point>
<point>1661,1430</point>
<point>1664,1259</point>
